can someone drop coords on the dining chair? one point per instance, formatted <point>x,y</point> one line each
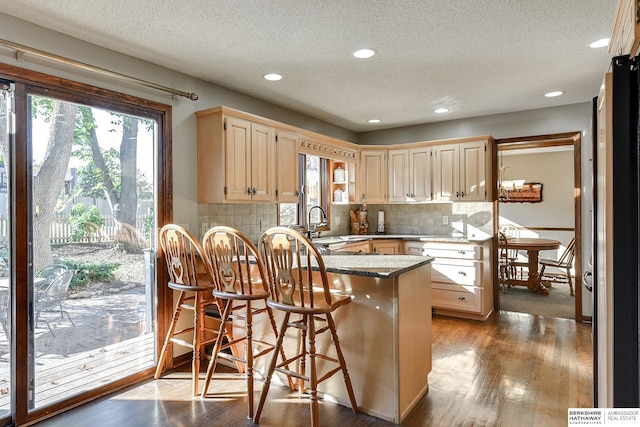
<point>300,287</point>
<point>51,297</point>
<point>193,278</point>
<point>511,231</point>
<point>506,268</point>
<point>241,284</point>
<point>564,263</point>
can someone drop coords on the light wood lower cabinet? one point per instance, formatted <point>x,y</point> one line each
<point>461,283</point>
<point>363,247</point>
<point>388,247</point>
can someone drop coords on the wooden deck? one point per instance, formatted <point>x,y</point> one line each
<point>58,377</point>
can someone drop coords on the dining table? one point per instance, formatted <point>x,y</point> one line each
<point>533,246</point>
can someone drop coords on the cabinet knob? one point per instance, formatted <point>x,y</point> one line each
<point>248,190</point>
<point>461,298</point>
<point>462,194</point>
<point>457,194</point>
<point>375,249</point>
<point>461,252</point>
<point>253,191</point>
<point>462,273</point>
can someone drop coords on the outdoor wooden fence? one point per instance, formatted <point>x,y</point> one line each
<point>61,230</point>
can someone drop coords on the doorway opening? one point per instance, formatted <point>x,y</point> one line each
<point>554,162</point>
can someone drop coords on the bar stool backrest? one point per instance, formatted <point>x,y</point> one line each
<point>284,251</point>
<point>236,265</point>
<point>184,259</point>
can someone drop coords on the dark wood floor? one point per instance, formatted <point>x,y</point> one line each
<point>512,370</point>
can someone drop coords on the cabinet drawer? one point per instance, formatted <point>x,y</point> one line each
<point>461,299</point>
<point>444,250</point>
<point>457,273</point>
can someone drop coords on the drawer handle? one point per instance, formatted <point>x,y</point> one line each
<point>461,298</point>
<point>462,272</point>
<point>462,252</point>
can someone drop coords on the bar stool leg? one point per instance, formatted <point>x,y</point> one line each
<point>167,340</point>
<point>343,363</point>
<point>271,368</point>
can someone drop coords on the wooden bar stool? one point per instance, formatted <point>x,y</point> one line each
<point>189,274</point>
<point>242,286</point>
<point>288,257</point>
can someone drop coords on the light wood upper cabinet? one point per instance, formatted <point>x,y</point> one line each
<point>236,159</point>
<point>473,179</point>
<point>446,177</point>
<point>287,189</point>
<point>625,37</point>
<point>410,174</point>
<point>399,176</point>
<point>462,171</point>
<point>372,165</point>
<point>420,175</point>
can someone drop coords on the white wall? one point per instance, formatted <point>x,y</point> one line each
<point>555,172</point>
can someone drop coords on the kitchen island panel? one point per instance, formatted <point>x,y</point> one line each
<point>385,334</point>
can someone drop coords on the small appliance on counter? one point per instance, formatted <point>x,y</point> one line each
<point>380,222</point>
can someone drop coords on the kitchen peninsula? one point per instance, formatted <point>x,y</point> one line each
<point>462,273</point>
<point>385,333</point>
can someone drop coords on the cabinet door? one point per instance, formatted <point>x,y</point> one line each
<point>356,247</point>
<point>373,176</point>
<point>263,163</point>
<point>445,182</point>
<point>287,170</point>
<point>386,247</point>
<point>237,159</point>
<point>399,176</point>
<point>420,175</point>
<point>472,171</point>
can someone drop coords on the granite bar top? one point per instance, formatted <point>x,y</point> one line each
<point>383,266</point>
<point>333,240</point>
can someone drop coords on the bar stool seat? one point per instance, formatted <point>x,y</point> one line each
<point>241,284</point>
<point>300,287</point>
<point>192,277</point>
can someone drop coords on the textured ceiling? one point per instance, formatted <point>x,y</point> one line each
<point>476,57</point>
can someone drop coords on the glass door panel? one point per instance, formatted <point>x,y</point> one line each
<point>6,356</point>
<point>93,222</point>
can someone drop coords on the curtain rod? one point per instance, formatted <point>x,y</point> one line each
<point>50,56</point>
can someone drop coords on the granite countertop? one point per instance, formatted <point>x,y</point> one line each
<point>333,240</point>
<point>383,266</point>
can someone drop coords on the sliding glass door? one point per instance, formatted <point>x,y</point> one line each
<point>84,183</point>
<point>92,224</point>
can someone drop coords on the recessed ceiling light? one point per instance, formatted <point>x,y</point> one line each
<point>373,121</point>
<point>441,110</point>
<point>364,53</point>
<point>273,77</point>
<point>600,43</point>
<point>554,93</point>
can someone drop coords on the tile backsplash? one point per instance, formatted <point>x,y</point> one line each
<point>470,218</point>
<point>251,219</point>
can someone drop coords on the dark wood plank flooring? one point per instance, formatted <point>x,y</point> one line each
<point>514,369</point>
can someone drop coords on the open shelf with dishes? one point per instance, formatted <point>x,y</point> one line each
<point>343,182</point>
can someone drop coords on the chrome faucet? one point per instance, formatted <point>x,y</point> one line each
<point>310,230</point>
